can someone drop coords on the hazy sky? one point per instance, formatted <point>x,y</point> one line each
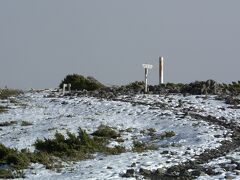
<point>42,41</point>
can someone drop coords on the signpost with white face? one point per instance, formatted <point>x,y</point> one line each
<point>146,67</point>
<point>65,86</point>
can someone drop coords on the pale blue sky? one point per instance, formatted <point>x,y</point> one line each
<point>42,41</point>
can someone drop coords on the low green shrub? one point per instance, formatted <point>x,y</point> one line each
<point>116,150</point>
<point>137,85</point>
<point>7,123</point>
<point>106,131</point>
<point>167,134</point>
<point>13,158</point>
<point>51,152</point>
<point>6,174</point>
<point>6,93</point>
<point>234,87</point>
<point>151,131</point>
<point>75,147</point>
<point>26,123</point>
<point>142,146</point>
<point>3,109</point>
<point>4,151</point>
<point>18,160</point>
<point>79,82</point>
<point>174,85</point>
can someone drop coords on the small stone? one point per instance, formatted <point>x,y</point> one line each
<point>237,172</point>
<point>217,136</point>
<point>133,165</point>
<point>144,171</point>
<point>165,152</point>
<point>196,173</point>
<point>129,173</point>
<point>64,103</point>
<point>159,171</point>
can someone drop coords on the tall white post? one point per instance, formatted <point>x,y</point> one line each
<point>160,70</point>
<point>146,83</point>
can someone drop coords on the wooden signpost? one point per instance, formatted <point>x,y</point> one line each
<point>65,86</point>
<point>146,67</point>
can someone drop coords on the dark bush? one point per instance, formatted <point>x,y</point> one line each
<point>13,158</point>
<point>234,88</point>
<point>3,109</point>
<point>116,150</point>
<point>106,131</point>
<point>4,151</point>
<point>6,93</point>
<point>167,134</point>
<point>7,123</point>
<point>6,174</point>
<point>139,146</point>
<point>79,82</point>
<point>18,160</point>
<point>26,123</point>
<point>136,86</point>
<point>76,147</point>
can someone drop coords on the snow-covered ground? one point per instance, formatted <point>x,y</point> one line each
<point>204,105</point>
<point>49,115</point>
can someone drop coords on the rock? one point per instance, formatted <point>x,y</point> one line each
<point>129,173</point>
<point>196,173</point>
<point>209,171</point>
<point>145,172</point>
<point>159,172</point>
<point>133,165</point>
<point>217,136</point>
<point>237,172</point>
<point>173,171</point>
<point>232,101</point>
<point>165,152</point>
<point>64,103</point>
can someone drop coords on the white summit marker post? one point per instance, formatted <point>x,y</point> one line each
<point>160,70</point>
<point>146,67</point>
